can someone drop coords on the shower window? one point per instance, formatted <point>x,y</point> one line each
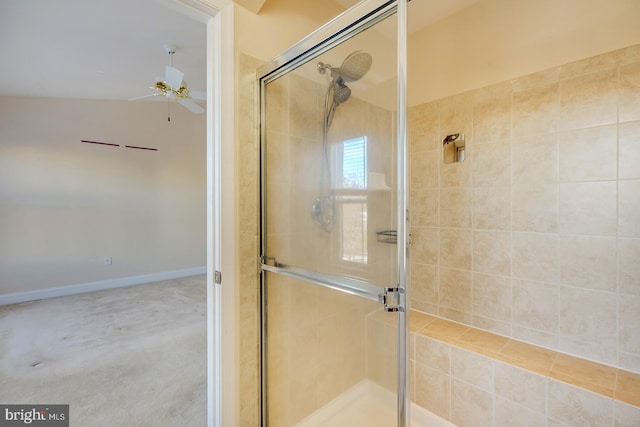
<point>352,159</point>
<point>351,176</point>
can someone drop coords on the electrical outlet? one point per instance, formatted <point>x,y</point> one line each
<point>107,260</point>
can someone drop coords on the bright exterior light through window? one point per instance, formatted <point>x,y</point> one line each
<point>352,175</point>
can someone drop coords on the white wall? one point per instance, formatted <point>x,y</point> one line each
<point>66,205</point>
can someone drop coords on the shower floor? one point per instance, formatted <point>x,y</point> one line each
<point>368,404</point>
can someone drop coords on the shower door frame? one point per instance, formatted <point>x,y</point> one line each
<point>348,24</point>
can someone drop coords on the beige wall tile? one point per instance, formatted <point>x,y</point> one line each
<point>527,356</point>
<point>455,207</point>
<point>629,54</point>
<point>541,78</point>
<point>455,248</point>
<point>278,213</point>
<point>424,245</point>
<point>535,336</point>
<point>433,354</point>
<point>629,150</point>
<point>589,100</point>
<point>536,110</point>
<point>519,386</point>
<point>492,114</point>
<point>433,391</point>
<point>424,283</point>
<point>606,61</point>
<point>492,297</point>
<point>629,208</point>
<point>424,207</point>
<point>629,321</point>
<point>629,361</point>
<point>301,198</point>
<point>628,266</point>
<point>305,169</point>
<point>603,352</point>
<point>626,415</point>
<point>509,414</point>
<point>456,174</point>
<point>470,406</point>
<point>492,252</point>
<point>423,128</point>
<point>456,113</point>
<point>577,407</point>
<point>423,169</point>
<point>588,154</point>
<point>455,289</point>
<point>492,208</point>
<point>277,158</point>
<point>481,342</point>
<point>277,118</point>
<point>492,164</point>
<point>305,108</point>
<point>588,208</point>
<point>535,257</point>
<point>535,305</point>
<point>587,317</point>
<point>630,92</point>
<point>472,368</point>
<point>497,326</point>
<point>535,159</point>
<point>588,262</point>
<point>585,374</point>
<point>445,330</point>
<point>465,317</point>
<point>535,208</point>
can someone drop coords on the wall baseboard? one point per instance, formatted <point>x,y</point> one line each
<point>18,297</point>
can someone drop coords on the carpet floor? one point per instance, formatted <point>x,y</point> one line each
<point>133,356</point>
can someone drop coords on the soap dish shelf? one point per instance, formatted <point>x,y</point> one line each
<point>387,236</point>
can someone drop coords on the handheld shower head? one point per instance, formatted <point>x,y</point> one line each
<point>341,92</point>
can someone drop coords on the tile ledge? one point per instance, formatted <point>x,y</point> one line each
<point>593,376</point>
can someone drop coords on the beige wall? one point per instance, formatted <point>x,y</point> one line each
<point>534,235</point>
<point>496,40</point>
<point>66,205</point>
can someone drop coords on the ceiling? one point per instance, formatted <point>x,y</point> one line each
<point>99,49</point>
<point>115,49</point>
<point>424,12</point>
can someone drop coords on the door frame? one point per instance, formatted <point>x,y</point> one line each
<point>222,397</point>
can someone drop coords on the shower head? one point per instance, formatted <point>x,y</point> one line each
<point>353,68</point>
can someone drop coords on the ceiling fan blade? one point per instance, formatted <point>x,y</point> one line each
<point>174,77</point>
<point>198,95</point>
<point>191,106</point>
<point>146,96</point>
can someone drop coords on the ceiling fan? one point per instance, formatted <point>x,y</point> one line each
<point>174,87</point>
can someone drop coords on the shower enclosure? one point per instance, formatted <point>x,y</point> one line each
<point>333,231</point>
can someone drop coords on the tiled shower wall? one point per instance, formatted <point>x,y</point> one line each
<point>536,235</point>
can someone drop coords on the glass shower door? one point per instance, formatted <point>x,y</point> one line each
<point>333,226</point>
